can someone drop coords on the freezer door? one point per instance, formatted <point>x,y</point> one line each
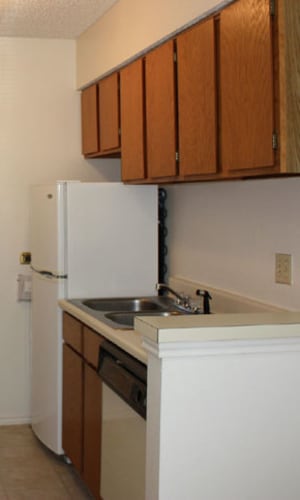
<point>47,227</point>
<point>112,244</point>
<point>47,361</point>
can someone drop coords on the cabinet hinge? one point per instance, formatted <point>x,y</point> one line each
<point>119,131</point>
<point>272,7</point>
<point>176,156</point>
<point>175,57</point>
<point>275,140</point>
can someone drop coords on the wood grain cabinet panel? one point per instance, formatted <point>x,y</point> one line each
<point>288,12</point>
<point>246,86</point>
<point>72,332</point>
<point>91,345</point>
<point>89,120</point>
<point>230,109</point>
<point>92,430</point>
<point>161,112</point>
<point>82,402</point>
<point>109,115</point>
<point>133,121</point>
<point>197,114</point>
<point>72,424</point>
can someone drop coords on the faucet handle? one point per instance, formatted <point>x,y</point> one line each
<point>206,298</point>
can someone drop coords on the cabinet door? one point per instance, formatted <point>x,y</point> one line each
<point>133,121</point>
<point>91,346</point>
<point>160,112</point>
<point>109,122</point>
<point>72,406</point>
<point>89,120</point>
<point>72,332</point>
<point>197,120</point>
<point>246,85</point>
<point>92,430</point>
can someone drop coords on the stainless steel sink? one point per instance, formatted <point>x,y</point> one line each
<point>128,304</point>
<point>127,318</point>
<point>120,312</point>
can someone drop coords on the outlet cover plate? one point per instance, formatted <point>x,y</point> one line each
<point>283,268</point>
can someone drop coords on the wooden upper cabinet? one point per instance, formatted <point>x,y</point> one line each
<point>89,120</point>
<point>246,86</point>
<point>133,121</point>
<point>197,114</point>
<point>226,108</point>
<point>109,115</point>
<point>289,75</point>
<point>160,112</point>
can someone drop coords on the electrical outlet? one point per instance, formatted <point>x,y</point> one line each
<point>283,268</point>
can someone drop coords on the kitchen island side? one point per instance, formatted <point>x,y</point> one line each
<point>223,406</point>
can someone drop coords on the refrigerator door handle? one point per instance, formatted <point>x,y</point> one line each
<point>49,274</point>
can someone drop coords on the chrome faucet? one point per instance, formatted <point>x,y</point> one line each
<point>185,301</point>
<point>163,286</point>
<point>182,300</point>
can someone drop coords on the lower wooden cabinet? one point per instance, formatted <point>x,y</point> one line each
<point>82,400</point>
<point>72,406</point>
<point>92,430</point>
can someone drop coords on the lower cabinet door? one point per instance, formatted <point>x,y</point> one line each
<point>92,430</point>
<point>72,406</point>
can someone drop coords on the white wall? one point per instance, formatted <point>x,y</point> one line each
<point>39,142</point>
<point>225,235</point>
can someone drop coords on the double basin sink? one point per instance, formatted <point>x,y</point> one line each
<point>120,312</point>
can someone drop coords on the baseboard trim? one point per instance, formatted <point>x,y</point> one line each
<point>14,421</point>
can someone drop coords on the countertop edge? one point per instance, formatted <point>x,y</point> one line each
<point>221,327</point>
<point>129,340</point>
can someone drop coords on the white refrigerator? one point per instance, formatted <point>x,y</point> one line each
<point>87,240</point>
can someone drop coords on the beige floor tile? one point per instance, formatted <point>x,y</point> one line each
<point>73,484</point>
<point>18,474</point>
<point>16,435</point>
<point>36,494</point>
<point>23,452</point>
<point>29,471</point>
<point>3,495</point>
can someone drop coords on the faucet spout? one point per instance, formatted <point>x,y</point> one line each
<point>163,286</point>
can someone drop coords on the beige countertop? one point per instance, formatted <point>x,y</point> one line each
<point>129,340</point>
<point>194,328</point>
<point>220,327</point>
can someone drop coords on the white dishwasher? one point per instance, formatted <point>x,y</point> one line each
<point>123,442</point>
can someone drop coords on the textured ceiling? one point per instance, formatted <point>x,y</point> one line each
<point>49,18</point>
